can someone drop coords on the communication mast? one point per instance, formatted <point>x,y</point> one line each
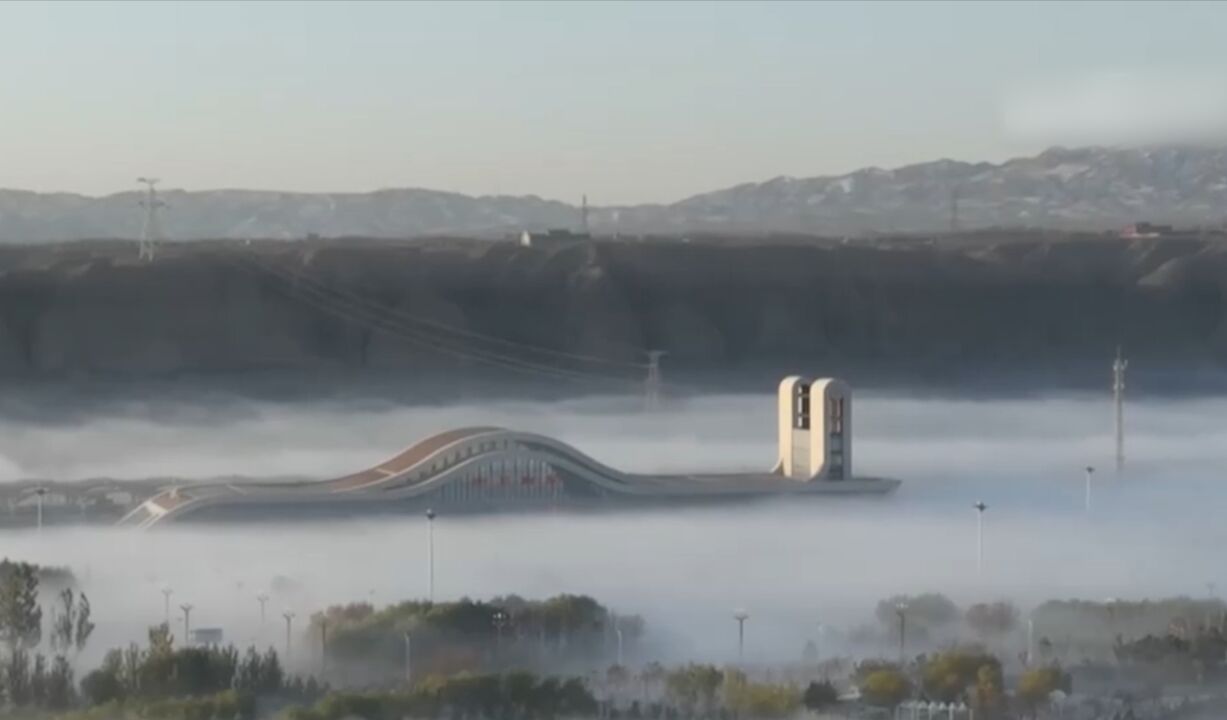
<point>151,231</point>
<point>954,209</point>
<point>1118,398</point>
<point>651,386</point>
<point>583,216</point>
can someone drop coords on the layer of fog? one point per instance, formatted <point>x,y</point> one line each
<point>1120,107</point>
<point>792,566</point>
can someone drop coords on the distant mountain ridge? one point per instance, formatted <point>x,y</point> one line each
<point>1090,188</point>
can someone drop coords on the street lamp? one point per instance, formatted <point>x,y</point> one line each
<point>39,493</point>
<point>901,611</point>
<point>618,632</point>
<point>1112,604</point>
<point>166,593</point>
<point>289,622</point>
<point>980,507</point>
<point>1090,471</point>
<point>323,646</point>
<point>1031,639</point>
<point>187,623</point>
<point>741,616</point>
<point>500,621</point>
<point>430,551</point>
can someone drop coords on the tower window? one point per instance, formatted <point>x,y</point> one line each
<point>835,411</point>
<point>800,405</point>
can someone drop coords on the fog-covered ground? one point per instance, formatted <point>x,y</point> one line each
<point>1156,531</point>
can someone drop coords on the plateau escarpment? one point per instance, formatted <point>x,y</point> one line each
<point>983,307</point>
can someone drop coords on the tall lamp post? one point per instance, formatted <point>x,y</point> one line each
<point>323,646</point>
<point>430,553</point>
<point>500,621</point>
<point>618,632</point>
<point>741,616</point>
<point>40,493</point>
<point>289,623</point>
<point>187,623</point>
<point>901,611</point>
<point>1090,472</point>
<point>980,507</point>
<point>166,593</point>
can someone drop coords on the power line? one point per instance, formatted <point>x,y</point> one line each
<point>406,318</point>
<point>344,310</point>
<point>404,325</point>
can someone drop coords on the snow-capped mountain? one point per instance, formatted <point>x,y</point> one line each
<point>1085,188</point>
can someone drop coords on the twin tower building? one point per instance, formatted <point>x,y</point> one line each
<point>815,429</point>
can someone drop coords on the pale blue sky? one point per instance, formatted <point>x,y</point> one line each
<point>629,102</point>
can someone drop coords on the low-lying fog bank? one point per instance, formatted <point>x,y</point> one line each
<point>1156,531</point>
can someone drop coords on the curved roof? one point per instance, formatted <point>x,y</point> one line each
<point>415,454</point>
<point>434,463</point>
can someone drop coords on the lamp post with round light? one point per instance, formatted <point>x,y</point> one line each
<point>980,507</point>
<point>430,553</point>
<point>741,616</point>
<point>1090,472</point>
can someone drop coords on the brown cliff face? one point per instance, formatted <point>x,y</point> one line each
<point>978,306</point>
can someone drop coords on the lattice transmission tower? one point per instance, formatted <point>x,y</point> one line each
<point>151,230</point>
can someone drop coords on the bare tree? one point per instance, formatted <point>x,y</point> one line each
<point>21,619</point>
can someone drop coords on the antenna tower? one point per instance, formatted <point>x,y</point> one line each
<point>651,386</point>
<point>583,216</point>
<point>1118,399</point>
<point>151,231</point>
<point>954,209</point>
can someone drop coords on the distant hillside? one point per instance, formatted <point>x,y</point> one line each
<point>1068,189</point>
<point>982,308</point>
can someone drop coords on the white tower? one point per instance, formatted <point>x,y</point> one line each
<point>583,216</point>
<point>815,429</point>
<point>151,231</point>
<point>1118,399</point>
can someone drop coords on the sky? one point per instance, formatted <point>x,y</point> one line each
<point>626,102</point>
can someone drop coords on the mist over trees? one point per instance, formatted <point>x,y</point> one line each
<point>516,658</point>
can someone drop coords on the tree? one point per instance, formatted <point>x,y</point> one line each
<point>885,688</point>
<point>72,626</point>
<point>759,700</point>
<point>617,676</point>
<point>819,696</point>
<point>58,690</point>
<point>947,676</point>
<point>988,695</point>
<point>104,684</point>
<point>694,687</point>
<point>161,642</point>
<point>924,614</point>
<point>992,620</point>
<point>85,624</point>
<point>651,676</point>
<point>21,619</point>
<point>1037,685</point>
<point>17,677</point>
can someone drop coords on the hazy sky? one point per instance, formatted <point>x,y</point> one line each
<point>628,102</point>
